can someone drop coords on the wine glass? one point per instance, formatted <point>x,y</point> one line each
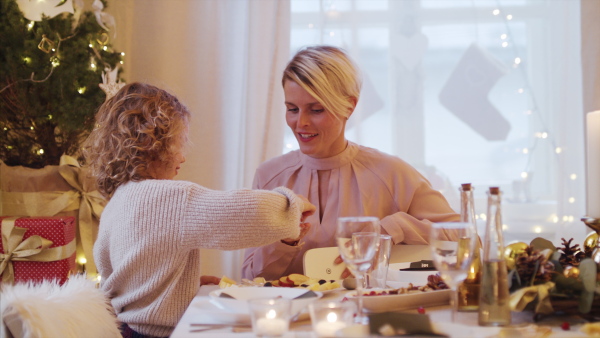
<point>358,239</point>
<point>453,246</point>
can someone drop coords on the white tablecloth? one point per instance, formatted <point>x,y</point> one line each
<point>202,311</point>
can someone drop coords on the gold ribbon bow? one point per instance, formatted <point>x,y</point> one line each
<point>91,205</point>
<point>34,248</point>
<point>520,298</point>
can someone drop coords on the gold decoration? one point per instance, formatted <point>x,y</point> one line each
<point>33,249</point>
<point>590,243</point>
<point>103,40</point>
<point>519,299</point>
<point>571,272</point>
<point>46,45</point>
<point>512,251</point>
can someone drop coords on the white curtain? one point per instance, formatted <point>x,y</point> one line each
<point>223,59</point>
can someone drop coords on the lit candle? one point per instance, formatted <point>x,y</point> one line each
<point>271,327</point>
<point>593,164</point>
<point>329,327</point>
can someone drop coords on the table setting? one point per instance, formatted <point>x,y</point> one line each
<point>417,298</point>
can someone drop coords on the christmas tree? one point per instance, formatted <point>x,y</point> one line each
<point>53,57</point>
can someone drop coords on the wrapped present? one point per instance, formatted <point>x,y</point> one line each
<point>37,248</point>
<point>63,190</point>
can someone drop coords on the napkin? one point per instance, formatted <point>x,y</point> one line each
<point>398,324</point>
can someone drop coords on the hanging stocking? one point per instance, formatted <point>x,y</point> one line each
<point>465,93</point>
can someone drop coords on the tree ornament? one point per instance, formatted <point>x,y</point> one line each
<point>33,10</point>
<point>590,243</point>
<point>570,255</point>
<point>110,83</point>
<point>512,251</point>
<point>46,45</point>
<point>571,272</point>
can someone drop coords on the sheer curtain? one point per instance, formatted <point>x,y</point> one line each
<point>487,92</point>
<point>224,59</point>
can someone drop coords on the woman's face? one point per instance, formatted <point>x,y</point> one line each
<point>319,133</point>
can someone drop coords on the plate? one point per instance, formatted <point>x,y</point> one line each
<point>404,301</point>
<point>239,303</point>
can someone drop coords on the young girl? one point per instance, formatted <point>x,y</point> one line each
<point>152,228</point>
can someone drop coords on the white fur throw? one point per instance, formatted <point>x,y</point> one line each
<point>75,309</point>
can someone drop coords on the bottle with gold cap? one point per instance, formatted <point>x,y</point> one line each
<point>468,290</point>
<point>494,307</point>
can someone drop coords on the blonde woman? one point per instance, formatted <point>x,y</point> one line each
<point>152,228</point>
<point>322,87</point>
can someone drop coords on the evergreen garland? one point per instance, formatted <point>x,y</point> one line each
<point>46,111</point>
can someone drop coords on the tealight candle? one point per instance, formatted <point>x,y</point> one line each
<point>330,317</point>
<point>270,317</point>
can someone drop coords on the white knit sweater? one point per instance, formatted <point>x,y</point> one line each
<point>147,250</point>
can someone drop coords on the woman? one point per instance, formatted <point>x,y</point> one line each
<point>322,87</point>
<point>152,228</point>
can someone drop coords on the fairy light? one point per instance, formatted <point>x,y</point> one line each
<point>30,25</point>
<point>40,152</point>
<point>521,91</point>
<point>27,59</point>
<point>55,62</point>
<point>571,218</point>
<point>504,227</point>
<point>53,50</point>
<point>91,46</point>
<point>558,150</point>
<point>121,62</point>
<point>122,53</point>
<point>517,60</point>
<point>571,200</point>
<point>5,129</point>
<point>537,229</point>
<point>565,218</point>
<point>573,177</point>
<point>82,260</point>
<point>525,151</point>
<point>483,216</point>
<point>554,218</point>
<point>524,175</point>
<point>92,65</point>
<point>509,17</point>
<point>49,117</point>
<point>331,33</point>
<point>503,36</point>
<point>81,90</point>
<point>311,26</point>
<point>31,127</point>
<point>504,44</point>
<point>544,135</point>
<point>496,11</point>
<point>105,48</point>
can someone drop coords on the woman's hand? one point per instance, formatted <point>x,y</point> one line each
<point>205,280</point>
<point>346,273</point>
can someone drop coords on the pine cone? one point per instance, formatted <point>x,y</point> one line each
<point>570,255</point>
<point>526,267</point>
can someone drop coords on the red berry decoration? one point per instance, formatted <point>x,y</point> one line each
<point>421,310</point>
<point>565,326</point>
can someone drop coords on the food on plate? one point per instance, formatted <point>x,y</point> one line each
<point>294,280</point>
<point>226,282</point>
<point>434,282</point>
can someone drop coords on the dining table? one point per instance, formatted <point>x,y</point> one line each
<point>204,319</point>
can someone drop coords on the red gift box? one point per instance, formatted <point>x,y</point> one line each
<point>55,260</point>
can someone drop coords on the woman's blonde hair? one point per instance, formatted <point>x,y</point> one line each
<point>140,125</point>
<point>329,75</point>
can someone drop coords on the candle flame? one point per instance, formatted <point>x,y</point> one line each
<point>332,317</point>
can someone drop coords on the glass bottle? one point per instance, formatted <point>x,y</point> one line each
<point>468,290</point>
<point>494,309</point>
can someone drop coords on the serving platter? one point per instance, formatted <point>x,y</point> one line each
<point>405,301</point>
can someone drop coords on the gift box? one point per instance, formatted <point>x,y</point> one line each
<point>37,248</point>
<point>63,190</point>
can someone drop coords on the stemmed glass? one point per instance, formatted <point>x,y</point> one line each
<point>358,239</point>
<point>453,246</point>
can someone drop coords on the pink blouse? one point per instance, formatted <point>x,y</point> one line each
<point>362,182</point>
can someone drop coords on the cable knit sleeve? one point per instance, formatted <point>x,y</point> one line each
<point>229,220</point>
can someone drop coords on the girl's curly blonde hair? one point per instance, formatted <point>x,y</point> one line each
<point>138,127</point>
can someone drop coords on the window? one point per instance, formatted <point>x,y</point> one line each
<point>486,92</point>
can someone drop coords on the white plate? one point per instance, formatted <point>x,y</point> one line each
<point>239,303</point>
<point>405,301</point>
<point>208,312</point>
